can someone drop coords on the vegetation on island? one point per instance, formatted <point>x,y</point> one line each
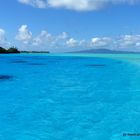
<point>8,51</point>
<point>15,50</point>
<point>35,52</point>
<point>2,50</point>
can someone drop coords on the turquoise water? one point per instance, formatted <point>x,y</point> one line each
<point>69,97</point>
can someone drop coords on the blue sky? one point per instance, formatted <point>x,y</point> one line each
<point>67,25</point>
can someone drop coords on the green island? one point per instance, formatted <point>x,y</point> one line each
<point>15,50</point>
<point>35,52</point>
<point>9,50</point>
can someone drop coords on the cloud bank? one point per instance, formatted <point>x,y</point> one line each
<point>25,40</point>
<point>2,36</point>
<point>24,34</point>
<point>63,41</point>
<point>3,40</point>
<point>78,5</point>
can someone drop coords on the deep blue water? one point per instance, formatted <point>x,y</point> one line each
<point>68,98</point>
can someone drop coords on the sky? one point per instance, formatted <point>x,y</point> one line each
<point>70,25</point>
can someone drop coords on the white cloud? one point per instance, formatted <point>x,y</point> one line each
<point>72,42</point>
<point>49,40</point>
<point>124,42</point>
<point>78,5</point>
<point>35,3</point>
<point>43,38</point>
<point>75,4</point>
<point>2,36</point>
<point>63,41</point>
<point>3,40</point>
<point>101,42</point>
<point>24,34</point>
<point>128,42</point>
<point>63,35</point>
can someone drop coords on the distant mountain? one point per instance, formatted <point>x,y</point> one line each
<point>106,51</point>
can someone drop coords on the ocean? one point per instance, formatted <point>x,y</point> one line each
<point>69,97</point>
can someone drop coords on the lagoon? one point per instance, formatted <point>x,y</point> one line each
<point>69,96</point>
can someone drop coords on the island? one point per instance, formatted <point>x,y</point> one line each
<point>35,52</point>
<point>9,51</point>
<point>15,50</point>
<point>105,51</point>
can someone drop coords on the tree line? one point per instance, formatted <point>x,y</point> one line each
<point>9,50</point>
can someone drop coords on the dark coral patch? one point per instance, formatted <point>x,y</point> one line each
<point>38,64</point>
<point>19,61</point>
<point>5,77</point>
<point>96,65</point>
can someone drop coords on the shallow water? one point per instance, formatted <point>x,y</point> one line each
<point>69,97</point>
